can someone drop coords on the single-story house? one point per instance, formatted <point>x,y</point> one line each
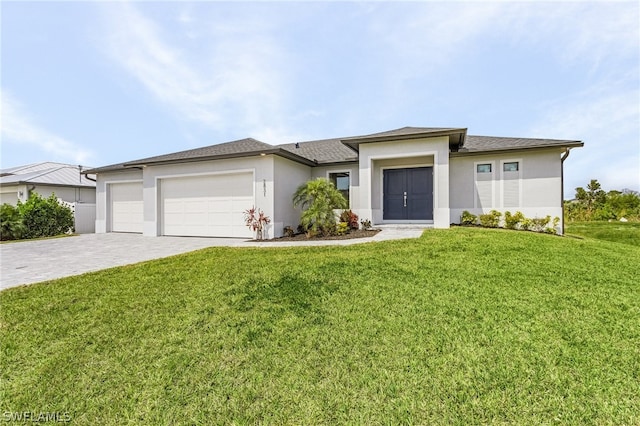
<point>66,181</point>
<point>408,175</point>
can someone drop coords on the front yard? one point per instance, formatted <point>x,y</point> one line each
<point>462,326</point>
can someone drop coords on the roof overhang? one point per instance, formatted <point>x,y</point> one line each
<point>275,151</point>
<point>561,147</point>
<point>456,138</point>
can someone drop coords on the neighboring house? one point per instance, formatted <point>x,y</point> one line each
<point>409,175</point>
<point>66,181</point>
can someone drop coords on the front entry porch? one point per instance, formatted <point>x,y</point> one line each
<point>408,194</point>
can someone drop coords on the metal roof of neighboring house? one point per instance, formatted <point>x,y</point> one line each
<point>47,173</point>
<point>341,150</point>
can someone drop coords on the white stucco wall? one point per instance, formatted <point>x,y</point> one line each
<point>288,175</point>
<point>374,157</point>
<point>10,194</point>
<point>68,194</point>
<point>540,184</point>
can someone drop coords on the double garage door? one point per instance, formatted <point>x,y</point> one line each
<point>198,206</point>
<point>206,206</point>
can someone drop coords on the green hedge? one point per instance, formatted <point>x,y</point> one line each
<point>37,217</point>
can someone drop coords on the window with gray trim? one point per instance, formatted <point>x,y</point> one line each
<point>483,168</point>
<point>341,181</point>
<point>512,166</point>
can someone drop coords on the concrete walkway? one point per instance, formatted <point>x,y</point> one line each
<point>29,262</point>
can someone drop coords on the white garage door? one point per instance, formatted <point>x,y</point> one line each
<point>126,207</point>
<point>9,198</point>
<point>207,206</point>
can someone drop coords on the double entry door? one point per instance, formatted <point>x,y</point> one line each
<point>408,194</point>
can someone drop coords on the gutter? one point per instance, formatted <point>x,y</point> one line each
<point>465,153</point>
<point>564,157</point>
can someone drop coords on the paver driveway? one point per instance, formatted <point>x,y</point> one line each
<point>33,261</point>
<point>29,262</point>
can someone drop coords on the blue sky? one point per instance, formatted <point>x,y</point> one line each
<point>97,83</point>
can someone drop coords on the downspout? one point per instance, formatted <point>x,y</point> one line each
<point>564,157</point>
<point>91,179</point>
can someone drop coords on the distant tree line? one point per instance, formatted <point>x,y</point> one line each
<point>593,203</point>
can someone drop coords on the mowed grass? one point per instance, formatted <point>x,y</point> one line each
<point>462,326</point>
<point>620,232</point>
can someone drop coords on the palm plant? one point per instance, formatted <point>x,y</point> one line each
<point>319,198</point>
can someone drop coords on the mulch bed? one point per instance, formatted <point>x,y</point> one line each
<point>302,237</point>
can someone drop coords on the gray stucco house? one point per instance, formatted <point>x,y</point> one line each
<point>408,175</point>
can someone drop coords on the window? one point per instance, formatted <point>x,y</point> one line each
<point>483,168</point>
<point>341,181</point>
<point>510,167</point>
<point>484,185</point>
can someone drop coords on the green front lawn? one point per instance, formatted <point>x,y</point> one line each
<point>462,326</point>
<point>620,232</point>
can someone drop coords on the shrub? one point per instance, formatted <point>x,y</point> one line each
<point>319,198</point>
<point>287,231</point>
<point>511,221</point>
<point>526,224</point>
<point>538,224</point>
<point>350,218</point>
<point>11,226</point>
<point>553,229</point>
<point>491,219</point>
<point>467,218</point>
<point>45,217</point>
<point>366,224</point>
<point>256,220</point>
<point>342,228</point>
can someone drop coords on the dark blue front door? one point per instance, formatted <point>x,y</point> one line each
<point>408,194</point>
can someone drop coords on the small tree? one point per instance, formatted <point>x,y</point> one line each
<point>319,198</point>
<point>256,220</point>
<point>592,198</point>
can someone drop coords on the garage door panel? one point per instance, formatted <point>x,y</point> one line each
<point>126,207</point>
<point>210,206</point>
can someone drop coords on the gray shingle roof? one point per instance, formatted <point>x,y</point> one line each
<point>477,144</point>
<point>46,173</point>
<point>340,150</point>
<point>323,151</point>
<point>108,168</point>
<point>242,146</point>
<point>405,131</point>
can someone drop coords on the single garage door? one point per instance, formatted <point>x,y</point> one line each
<point>126,207</point>
<point>207,206</point>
